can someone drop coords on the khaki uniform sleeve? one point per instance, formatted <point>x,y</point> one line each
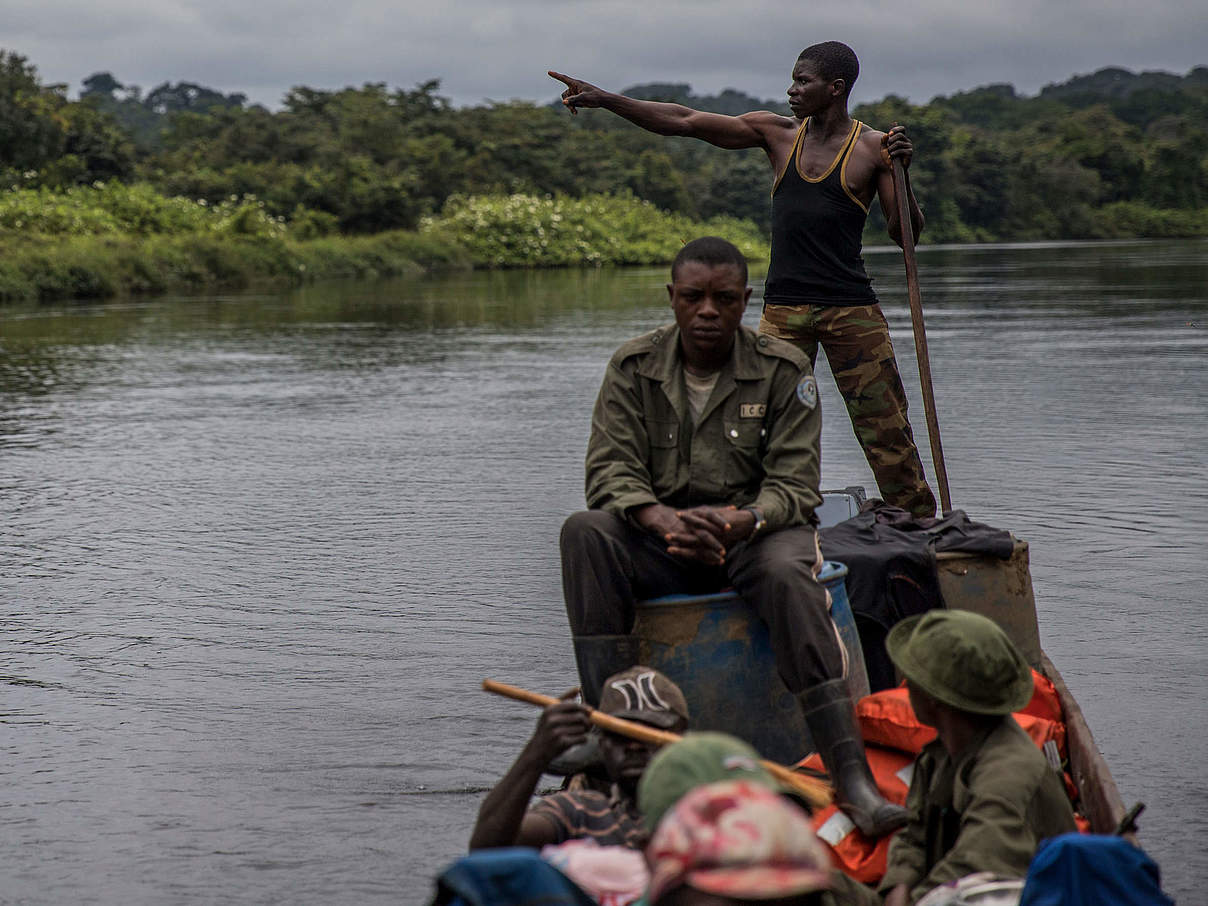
<point>994,836</point>
<point>789,492</point>
<point>845,891</point>
<point>997,801</point>
<point>618,453</point>
<point>907,858</point>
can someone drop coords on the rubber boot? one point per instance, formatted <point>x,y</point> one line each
<point>599,657</point>
<point>832,722</point>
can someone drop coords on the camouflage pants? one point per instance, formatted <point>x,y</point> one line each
<point>856,341</point>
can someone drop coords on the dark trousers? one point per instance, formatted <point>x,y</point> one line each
<point>608,566</point>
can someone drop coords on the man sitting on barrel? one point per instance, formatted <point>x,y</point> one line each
<point>702,473</point>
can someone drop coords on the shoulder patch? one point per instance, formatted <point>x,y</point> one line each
<point>807,391</point>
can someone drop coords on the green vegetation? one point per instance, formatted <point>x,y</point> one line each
<point>522,230</point>
<point>184,186</point>
<point>107,239</point>
<point>139,210</point>
<point>39,267</point>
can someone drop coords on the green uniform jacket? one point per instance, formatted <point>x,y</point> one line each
<point>757,441</point>
<point>987,811</point>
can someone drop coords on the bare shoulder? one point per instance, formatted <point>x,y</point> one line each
<point>770,123</point>
<point>777,133</point>
<point>868,150</point>
<point>774,120</point>
<point>870,139</point>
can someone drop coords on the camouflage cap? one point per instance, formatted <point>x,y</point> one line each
<point>643,694</point>
<point>697,759</point>
<point>963,660</point>
<point>738,840</point>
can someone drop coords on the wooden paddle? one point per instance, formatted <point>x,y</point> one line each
<point>815,792</point>
<point>920,334</point>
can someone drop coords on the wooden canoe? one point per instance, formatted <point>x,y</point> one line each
<point>1002,590</point>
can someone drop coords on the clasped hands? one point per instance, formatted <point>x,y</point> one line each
<point>701,533</point>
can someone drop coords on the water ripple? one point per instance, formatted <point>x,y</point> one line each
<point>259,554</point>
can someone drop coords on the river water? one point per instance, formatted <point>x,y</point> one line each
<point>259,551</point>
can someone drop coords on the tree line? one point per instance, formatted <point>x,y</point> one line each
<point>1106,155</point>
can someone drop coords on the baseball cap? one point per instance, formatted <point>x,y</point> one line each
<point>696,760</point>
<point>643,694</point>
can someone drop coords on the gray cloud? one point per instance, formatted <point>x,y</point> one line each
<point>482,49</point>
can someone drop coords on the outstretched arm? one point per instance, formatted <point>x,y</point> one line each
<point>750,130</point>
<point>896,145</point>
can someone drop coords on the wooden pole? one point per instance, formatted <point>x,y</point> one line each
<point>920,334</point>
<point>815,792</point>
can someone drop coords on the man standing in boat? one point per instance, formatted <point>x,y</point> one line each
<point>828,169</point>
<point>702,473</point>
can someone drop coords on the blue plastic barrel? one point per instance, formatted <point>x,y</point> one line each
<point>833,578</point>
<point>718,651</point>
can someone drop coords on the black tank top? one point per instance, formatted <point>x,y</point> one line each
<point>816,229</point>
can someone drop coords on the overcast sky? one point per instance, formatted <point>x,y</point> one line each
<point>500,49</point>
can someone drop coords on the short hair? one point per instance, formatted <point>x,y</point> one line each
<point>713,251</point>
<point>834,60</point>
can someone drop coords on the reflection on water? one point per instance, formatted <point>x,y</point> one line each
<point>260,550</point>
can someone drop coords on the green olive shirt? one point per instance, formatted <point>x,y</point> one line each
<point>987,810</point>
<point>757,441</point>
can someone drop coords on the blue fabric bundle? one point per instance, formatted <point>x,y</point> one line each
<point>506,877</point>
<point>1091,870</point>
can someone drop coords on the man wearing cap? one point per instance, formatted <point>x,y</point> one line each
<point>611,819</point>
<point>702,474</point>
<point>982,796</point>
<point>736,841</point>
<point>698,759</point>
<point>715,761</point>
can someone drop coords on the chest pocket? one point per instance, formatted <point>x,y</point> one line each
<point>747,439</point>
<point>662,434</point>
<point>745,433</point>
<point>664,454</point>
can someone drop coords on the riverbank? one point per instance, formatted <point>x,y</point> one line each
<point>95,267</point>
<point>113,240</point>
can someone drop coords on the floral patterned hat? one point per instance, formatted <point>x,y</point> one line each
<point>738,839</point>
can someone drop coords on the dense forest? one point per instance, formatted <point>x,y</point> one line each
<point>1113,153</point>
<point>1108,155</point>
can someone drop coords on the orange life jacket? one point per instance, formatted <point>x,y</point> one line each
<point>1045,702</point>
<point>886,719</point>
<point>893,738</point>
<point>860,857</point>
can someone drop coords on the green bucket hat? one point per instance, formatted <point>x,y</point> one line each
<point>695,760</point>
<point>962,659</point>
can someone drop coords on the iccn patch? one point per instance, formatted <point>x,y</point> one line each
<point>807,391</point>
